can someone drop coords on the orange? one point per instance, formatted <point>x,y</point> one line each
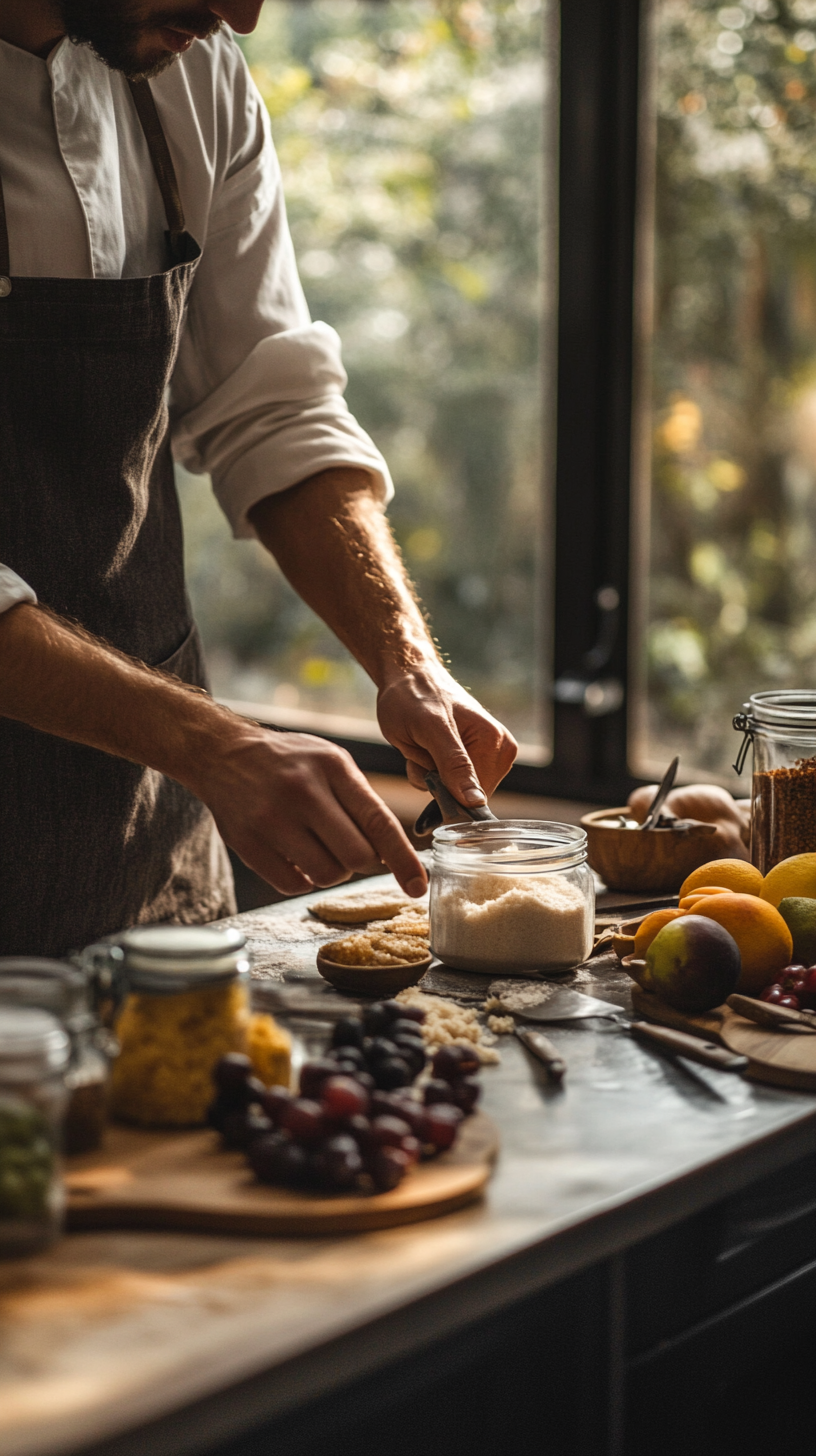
<point>733,874</point>
<point>764,940</point>
<point>795,876</point>
<point>701,894</point>
<point>648,928</point>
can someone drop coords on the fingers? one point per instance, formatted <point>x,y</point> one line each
<point>383,832</point>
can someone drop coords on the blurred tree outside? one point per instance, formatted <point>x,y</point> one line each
<point>732,591</point>
<point>410,139</point>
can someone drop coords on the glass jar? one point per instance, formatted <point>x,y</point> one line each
<point>511,896</point>
<point>63,990</point>
<point>34,1052</point>
<point>183,991</point>
<point>781,727</point>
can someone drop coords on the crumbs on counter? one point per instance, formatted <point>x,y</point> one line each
<point>501,1025</point>
<point>448,1025</point>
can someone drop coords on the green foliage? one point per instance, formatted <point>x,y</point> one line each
<point>409,135</point>
<point>733,589</point>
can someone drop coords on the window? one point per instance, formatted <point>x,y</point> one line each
<point>730,420</point>
<point>410,135</point>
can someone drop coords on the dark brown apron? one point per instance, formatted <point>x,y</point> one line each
<point>89,516</point>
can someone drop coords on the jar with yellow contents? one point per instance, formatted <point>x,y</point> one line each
<point>185,991</point>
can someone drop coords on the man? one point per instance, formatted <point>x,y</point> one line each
<point>145,257</point>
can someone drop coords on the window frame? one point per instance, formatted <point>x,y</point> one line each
<point>588,408</point>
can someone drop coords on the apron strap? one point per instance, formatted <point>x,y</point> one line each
<point>162,166</point>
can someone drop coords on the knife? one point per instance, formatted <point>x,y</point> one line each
<point>566,1005</point>
<point>443,803</point>
<point>543,1050</point>
<point>662,793</point>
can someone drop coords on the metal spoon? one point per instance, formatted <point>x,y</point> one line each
<point>659,798</point>
<point>444,803</point>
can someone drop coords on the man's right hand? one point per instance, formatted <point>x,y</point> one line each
<point>300,813</point>
<point>295,808</point>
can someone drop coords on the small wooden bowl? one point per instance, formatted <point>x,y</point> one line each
<point>645,859</point>
<point>372,980</point>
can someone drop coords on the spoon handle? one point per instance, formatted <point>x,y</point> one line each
<point>659,798</point>
<point>443,803</point>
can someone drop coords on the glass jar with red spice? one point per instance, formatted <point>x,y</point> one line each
<point>781,728</point>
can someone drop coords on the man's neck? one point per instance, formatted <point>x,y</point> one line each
<point>32,25</point>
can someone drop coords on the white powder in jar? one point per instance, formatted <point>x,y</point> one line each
<point>492,923</point>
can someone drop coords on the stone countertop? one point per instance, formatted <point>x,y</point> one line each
<point>110,1331</point>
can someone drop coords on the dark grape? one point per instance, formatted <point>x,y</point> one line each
<point>410,1146</point>
<point>393,1010</point>
<point>378,1048</point>
<point>466,1094</point>
<point>360,1129</point>
<point>389,1131</point>
<point>314,1073</point>
<point>304,1120</point>
<point>232,1071</point>
<point>403,1027</point>
<point>292,1166</point>
<point>411,1013</point>
<point>274,1102</point>
<point>239,1129</point>
<point>437,1090</point>
<point>348,1032</point>
<point>341,1161</point>
<point>388,1167</point>
<point>387,1104</point>
<point>413,1113</point>
<point>350,1056</point>
<point>264,1156</point>
<point>442,1123</point>
<point>413,1051</point>
<point>375,1019</point>
<point>392,1072</point>
<point>225,1104</point>
<point>366,1080</point>
<point>451,1062</point>
<point>343,1097</point>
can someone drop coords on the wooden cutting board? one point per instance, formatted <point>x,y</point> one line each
<point>184,1180</point>
<point>781,1058</point>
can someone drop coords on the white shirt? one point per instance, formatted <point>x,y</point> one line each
<point>257,391</point>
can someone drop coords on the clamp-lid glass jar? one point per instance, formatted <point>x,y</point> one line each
<point>64,991</point>
<point>511,896</point>
<point>781,727</point>
<point>185,993</point>
<point>34,1053</point>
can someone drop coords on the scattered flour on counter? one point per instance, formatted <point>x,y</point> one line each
<point>493,920</point>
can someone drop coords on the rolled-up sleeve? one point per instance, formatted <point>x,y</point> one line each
<point>257,394</point>
<point>13,589</point>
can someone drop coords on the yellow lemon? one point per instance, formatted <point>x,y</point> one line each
<point>794,877</point>
<point>732,874</point>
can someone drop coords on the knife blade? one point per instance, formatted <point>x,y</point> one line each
<point>567,1005</point>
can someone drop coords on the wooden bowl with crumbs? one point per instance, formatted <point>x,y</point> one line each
<point>371,979</point>
<point>645,860</point>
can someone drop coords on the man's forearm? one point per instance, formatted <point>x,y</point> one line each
<point>333,542</point>
<point>61,680</point>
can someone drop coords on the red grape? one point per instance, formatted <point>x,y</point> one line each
<point>466,1094</point>
<point>274,1102</point>
<point>412,1112</point>
<point>264,1156</point>
<point>343,1097</point>
<point>389,1131</point>
<point>388,1167</point>
<point>807,994</point>
<point>773,993</point>
<point>789,974</point>
<point>304,1120</point>
<point>314,1073</point>
<point>337,1163</point>
<point>442,1123</point>
<point>410,1146</point>
<point>359,1128</point>
<point>790,1001</point>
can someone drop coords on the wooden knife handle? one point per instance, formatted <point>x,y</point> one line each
<point>764,1013</point>
<point>693,1047</point>
<point>544,1051</point>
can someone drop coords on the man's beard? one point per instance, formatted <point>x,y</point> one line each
<point>115,31</point>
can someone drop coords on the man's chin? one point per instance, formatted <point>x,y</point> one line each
<point>146,67</point>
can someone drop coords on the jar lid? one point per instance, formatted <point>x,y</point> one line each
<point>32,1044</point>
<point>795,708</point>
<point>39,982</point>
<point>167,959</point>
<point>510,846</point>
